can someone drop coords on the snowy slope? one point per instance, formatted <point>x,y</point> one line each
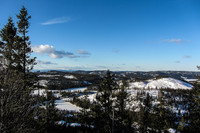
<point>70,76</point>
<point>162,83</point>
<point>62,105</point>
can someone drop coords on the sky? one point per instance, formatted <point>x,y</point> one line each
<point>120,35</point>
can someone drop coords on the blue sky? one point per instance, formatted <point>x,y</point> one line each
<point>134,35</point>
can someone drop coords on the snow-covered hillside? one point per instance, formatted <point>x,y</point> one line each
<point>70,77</point>
<point>161,83</point>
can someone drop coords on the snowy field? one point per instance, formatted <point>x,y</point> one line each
<point>81,89</point>
<point>62,105</point>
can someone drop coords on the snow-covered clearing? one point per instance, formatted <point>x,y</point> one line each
<point>189,80</point>
<point>91,97</point>
<point>62,105</point>
<point>69,77</point>
<point>81,89</point>
<point>161,83</point>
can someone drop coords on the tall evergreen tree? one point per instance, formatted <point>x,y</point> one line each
<point>145,119</point>
<point>105,101</point>
<point>194,110</point>
<point>25,62</point>
<point>18,110</point>
<point>121,113</point>
<point>8,44</point>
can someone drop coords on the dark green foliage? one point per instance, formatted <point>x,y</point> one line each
<point>8,44</point>
<point>24,48</point>
<point>122,118</point>
<point>194,110</point>
<point>105,100</point>
<point>144,118</point>
<point>85,115</point>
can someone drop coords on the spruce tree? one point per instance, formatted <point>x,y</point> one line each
<point>85,114</point>
<point>18,105</point>
<point>121,113</point>
<point>25,62</point>
<point>8,44</point>
<point>145,119</point>
<point>105,101</point>
<point>194,110</point>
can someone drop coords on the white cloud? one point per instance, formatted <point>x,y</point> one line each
<point>52,52</point>
<point>57,21</point>
<point>173,40</point>
<point>43,49</point>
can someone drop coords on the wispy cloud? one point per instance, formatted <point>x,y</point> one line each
<point>173,40</point>
<point>40,62</point>
<point>52,52</point>
<point>57,21</point>
<point>186,56</point>
<point>83,52</point>
<point>177,61</point>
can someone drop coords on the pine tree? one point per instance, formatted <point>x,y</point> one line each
<point>105,101</point>
<point>85,114</point>
<point>121,113</point>
<point>18,110</point>
<point>51,113</point>
<point>145,119</point>
<point>25,62</point>
<point>8,44</point>
<point>194,110</point>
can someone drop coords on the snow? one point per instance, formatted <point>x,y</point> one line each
<point>62,105</point>
<point>39,92</point>
<point>70,77</point>
<point>81,89</point>
<point>189,80</point>
<point>43,82</point>
<point>162,83</point>
<point>74,124</point>
<point>91,97</point>
<point>60,122</point>
<point>171,130</point>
